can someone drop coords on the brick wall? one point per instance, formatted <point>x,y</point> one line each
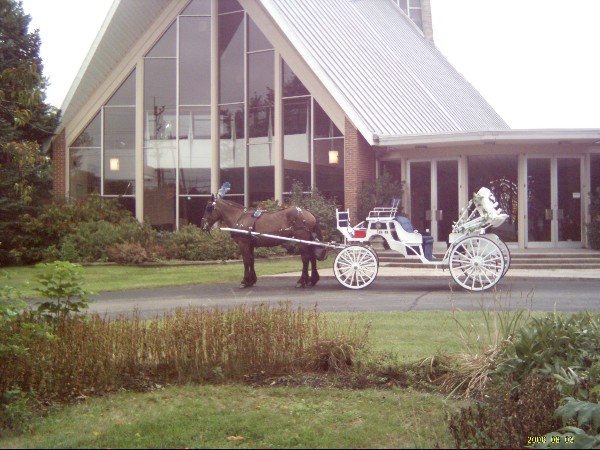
<point>59,165</point>
<point>359,166</point>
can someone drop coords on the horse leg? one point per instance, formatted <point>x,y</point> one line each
<point>249,279</point>
<point>314,275</point>
<point>252,274</point>
<point>303,281</point>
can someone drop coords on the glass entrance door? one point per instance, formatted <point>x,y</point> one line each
<point>447,198</point>
<point>554,202</point>
<point>434,196</point>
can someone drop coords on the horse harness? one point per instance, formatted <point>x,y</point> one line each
<point>255,214</point>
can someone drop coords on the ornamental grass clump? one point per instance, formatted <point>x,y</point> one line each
<point>97,354</point>
<point>484,341</point>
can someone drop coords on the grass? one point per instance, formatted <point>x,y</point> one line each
<point>273,417</point>
<point>103,278</point>
<point>235,416</point>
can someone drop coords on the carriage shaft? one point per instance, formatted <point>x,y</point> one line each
<point>287,239</point>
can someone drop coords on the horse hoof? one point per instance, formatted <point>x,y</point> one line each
<point>243,286</point>
<point>300,285</point>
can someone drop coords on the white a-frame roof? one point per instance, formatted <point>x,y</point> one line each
<point>375,62</point>
<point>364,56</point>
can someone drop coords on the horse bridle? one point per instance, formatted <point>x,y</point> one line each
<point>210,207</point>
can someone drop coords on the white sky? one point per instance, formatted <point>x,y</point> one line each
<point>535,61</point>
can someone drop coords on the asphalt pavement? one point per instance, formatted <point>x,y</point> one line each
<point>394,289</point>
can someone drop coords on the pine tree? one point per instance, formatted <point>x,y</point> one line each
<point>26,121</point>
<point>23,113</point>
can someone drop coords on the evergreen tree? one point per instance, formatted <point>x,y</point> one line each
<point>26,121</point>
<point>23,113</point>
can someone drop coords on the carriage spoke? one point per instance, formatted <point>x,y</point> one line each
<point>355,267</point>
<point>476,263</point>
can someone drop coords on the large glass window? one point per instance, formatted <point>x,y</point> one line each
<point>194,60</point>
<point>329,156</point>
<point>261,115</point>
<point>296,142</point>
<point>166,47</point>
<point>231,58</point>
<point>194,151</point>
<point>102,158</point>
<point>91,136</point>
<point>226,6</point>
<point>119,141</point>
<point>256,39</point>
<point>412,8</point>
<point>119,151</point>
<point>85,162</point>
<point>232,147</point>
<point>292,86</point>
<point>197,8</point>
<point>500,175</point>
<point>177,130</point>
<point>160,144</point>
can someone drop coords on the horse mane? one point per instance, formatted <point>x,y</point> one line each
<point>240,206</point>
<point>232,203</point>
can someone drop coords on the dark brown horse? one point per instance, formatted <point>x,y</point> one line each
<point>291,222</point>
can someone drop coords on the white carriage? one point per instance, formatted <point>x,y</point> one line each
<point>476,260</point>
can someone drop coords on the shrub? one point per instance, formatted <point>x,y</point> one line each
<point>127,253</point>
<point>507,417</point>
<point>321,207</point>
<point>566,348</point>
<point>379,193</point>
<point>593,229</point>
<point>41,236</point>
<point>16,410</point>
<point>62,285</point>
<point>546,359</point>
<point>190,243</point>
<point>587,432</point>
<point>92,240</point>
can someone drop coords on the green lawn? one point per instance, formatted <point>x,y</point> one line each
<point>206,416</point>
<point>233,415</point>
<point>102,278</point>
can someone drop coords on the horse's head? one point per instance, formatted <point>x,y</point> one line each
<point>211,215</point>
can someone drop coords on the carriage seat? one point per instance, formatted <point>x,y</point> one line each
<point>407,235</point>
<point>344,227</point>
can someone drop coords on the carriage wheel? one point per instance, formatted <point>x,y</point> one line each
<point>476,263</point>
<point>505,253</point>
<point>355,267</point>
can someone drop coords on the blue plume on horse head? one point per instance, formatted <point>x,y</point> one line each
<point>224,189</point>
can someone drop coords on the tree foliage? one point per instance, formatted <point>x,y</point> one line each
<point>593,227</point>
<point>26,122</point>
<point>379,193</point>
<point>23,113</point>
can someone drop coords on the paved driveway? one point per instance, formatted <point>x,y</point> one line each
<point>385,294</point>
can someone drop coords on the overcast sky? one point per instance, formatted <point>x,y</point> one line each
<point>535,61</point>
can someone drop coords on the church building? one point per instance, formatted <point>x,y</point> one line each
<point>178,96</point>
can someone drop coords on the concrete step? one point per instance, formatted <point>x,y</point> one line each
<point>519,260</point>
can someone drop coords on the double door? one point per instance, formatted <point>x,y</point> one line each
<point>434,196</point>
<point>554,214</point>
